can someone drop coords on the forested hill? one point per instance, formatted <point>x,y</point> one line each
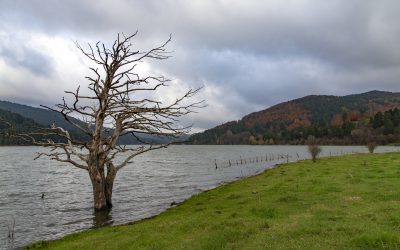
<point>19,123</point>
<point>41,117</point>
<point>333,119</point>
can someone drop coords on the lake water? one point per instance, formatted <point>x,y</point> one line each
<point>142,189</point>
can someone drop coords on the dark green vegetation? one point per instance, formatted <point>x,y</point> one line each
<point>350,202</point>
<point>331,119</point>
<point>387,121</point>
<point>19,122</point>
<point>40,117</point>
<point>11,123</point>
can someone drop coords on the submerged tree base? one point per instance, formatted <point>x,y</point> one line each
<point>334,203</point>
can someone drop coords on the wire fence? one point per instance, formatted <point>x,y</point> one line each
<point>274,158</point>
<point>267,158</point>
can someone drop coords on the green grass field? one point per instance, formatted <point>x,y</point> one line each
<point>335,203</point>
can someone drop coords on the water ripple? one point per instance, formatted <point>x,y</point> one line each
<point>145,188</point>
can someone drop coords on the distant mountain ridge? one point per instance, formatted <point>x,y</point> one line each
<point>44,118</point>
<point>20,123</point>
<point>39,115</point>
<point>329,117</point>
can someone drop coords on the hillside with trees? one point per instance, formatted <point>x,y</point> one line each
<point>339,120</point>
<point>17,122</point>
<point>41,117</point>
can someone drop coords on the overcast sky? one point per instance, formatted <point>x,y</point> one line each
<point>246,54</point>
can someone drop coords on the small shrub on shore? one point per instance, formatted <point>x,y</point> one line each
<point>313,147</point>
<point>371,146</point>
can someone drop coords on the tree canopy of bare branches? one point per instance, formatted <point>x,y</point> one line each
<point>119,103</point>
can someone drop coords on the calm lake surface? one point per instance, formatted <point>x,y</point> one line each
<point>145,188</point>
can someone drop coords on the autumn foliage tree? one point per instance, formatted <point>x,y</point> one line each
<point>118,104</point>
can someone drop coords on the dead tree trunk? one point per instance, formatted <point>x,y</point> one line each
<point>111,173</point>
<point>99,191</point>
<point>99,195</point>
<point>102,186</point>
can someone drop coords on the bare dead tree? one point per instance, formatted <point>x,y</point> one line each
<point>118,105</point>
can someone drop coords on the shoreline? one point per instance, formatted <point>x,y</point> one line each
<point>180,206</point>
<point>169,208</point>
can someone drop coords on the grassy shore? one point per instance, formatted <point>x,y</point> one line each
<point>341,202</point>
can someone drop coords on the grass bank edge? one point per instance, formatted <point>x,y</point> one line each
<point>270,217</point>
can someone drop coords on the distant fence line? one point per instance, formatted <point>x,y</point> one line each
<point>277,158</point>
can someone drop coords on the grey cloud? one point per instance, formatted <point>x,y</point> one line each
<point>263,52</point>
<point>340,32</point>
<point>19,55</point>
<point>24,93</point>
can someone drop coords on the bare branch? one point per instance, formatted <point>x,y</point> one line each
<point>144,150</point>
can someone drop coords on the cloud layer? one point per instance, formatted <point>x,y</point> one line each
<point>248,54</point>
